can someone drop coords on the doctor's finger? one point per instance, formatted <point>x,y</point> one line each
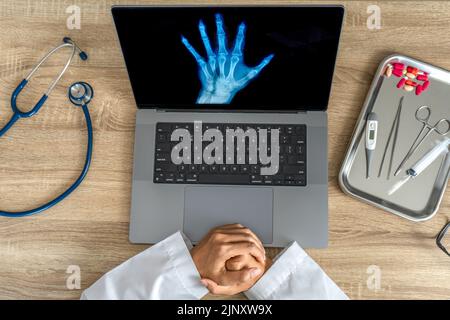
<point>224,227</point>
<point>243,231</point>
<point>242,248</point>
<point>229,226</point>
<point>217,289</point>
<point>240,278</point>
<point>233,237</point>
<point>237,263</point>
<point>236,228</point>
<point>233,282</point>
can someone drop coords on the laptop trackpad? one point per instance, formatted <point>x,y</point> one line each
<point>209,207</point>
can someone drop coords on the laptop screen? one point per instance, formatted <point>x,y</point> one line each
<point>230,58</point>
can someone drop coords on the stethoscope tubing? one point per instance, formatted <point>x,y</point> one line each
<point>44,97</point>
<point>75,185</point>
<point>9,124</point>
<point>17,114</point>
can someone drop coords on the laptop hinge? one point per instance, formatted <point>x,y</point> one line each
<point>234,111</point>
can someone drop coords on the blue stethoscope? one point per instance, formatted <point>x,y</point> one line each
<point>80,94</point>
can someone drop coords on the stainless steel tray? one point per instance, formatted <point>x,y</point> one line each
<point>419,198</point>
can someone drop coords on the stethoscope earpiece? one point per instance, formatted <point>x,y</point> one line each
<point>83,55</point>
<point>80,93</point>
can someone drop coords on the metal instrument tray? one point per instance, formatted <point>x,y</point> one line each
<point>419,198</point>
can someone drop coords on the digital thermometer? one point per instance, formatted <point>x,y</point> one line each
<point>371,139</point>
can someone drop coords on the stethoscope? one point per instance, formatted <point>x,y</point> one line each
<point>80,94</point>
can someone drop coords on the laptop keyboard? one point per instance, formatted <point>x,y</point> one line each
<point>292,157</point>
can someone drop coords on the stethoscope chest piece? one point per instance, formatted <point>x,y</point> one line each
<point>80,93</point>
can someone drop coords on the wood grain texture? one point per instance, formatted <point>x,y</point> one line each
<point>42,155</point>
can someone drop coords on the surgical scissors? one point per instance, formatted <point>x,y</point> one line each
<point>424,119</point>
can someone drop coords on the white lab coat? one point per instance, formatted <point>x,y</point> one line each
<point>167,271</point>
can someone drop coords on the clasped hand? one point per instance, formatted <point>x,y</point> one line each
<point>230,259</point>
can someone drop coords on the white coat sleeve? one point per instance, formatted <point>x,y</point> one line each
<point>164,271</point>
<point>294,275</point>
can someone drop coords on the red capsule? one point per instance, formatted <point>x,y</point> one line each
<point>412,70</point>
<point>411,83</point>
<point>401,83</point>
<point>398,65</point>
<point>425,85</point>
<point>397,72</point>
<point>422,77</point>
<point>419,90</point>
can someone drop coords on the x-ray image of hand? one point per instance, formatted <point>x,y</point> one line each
<point>224,74</point>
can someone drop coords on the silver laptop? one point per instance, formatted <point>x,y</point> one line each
<point>232,119</point>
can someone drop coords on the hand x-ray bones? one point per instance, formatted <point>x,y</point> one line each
<point>225,73</point>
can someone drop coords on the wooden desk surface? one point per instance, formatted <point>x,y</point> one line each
<point>42,155</point>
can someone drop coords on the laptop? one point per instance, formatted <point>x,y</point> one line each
<point>231,124</point>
